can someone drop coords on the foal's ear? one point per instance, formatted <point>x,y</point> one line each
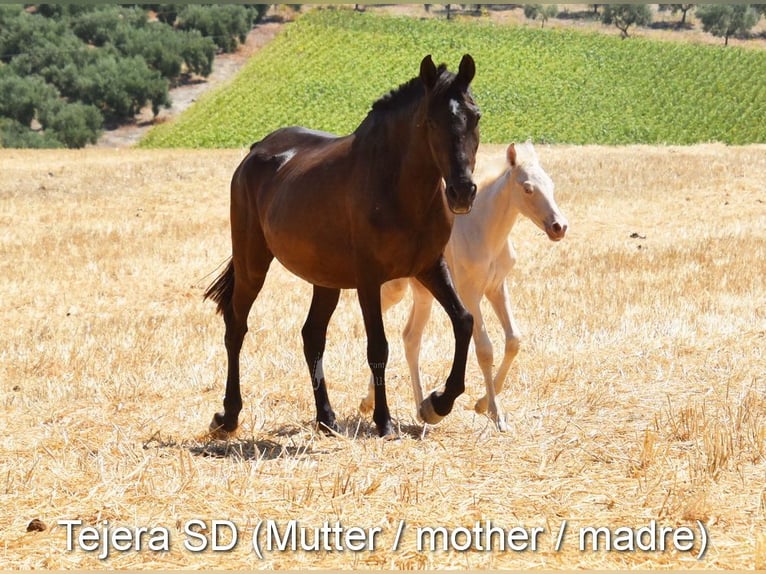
<point>428,73</point>
<point>511,155</point>
<point>467,70</point>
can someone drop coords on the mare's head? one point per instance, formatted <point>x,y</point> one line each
<point>534,190</point>
<point>451,120</point>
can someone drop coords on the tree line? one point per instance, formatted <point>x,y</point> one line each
<point>68,70</point>
<point>720,20</point>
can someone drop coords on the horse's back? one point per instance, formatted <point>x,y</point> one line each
<point>292,186</point>
<point>294,136</point>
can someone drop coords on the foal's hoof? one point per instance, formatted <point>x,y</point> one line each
<point>366,406</point>
<point>500,423</point>
<point>481,405</point>
<point>218,429</point>
<point>427,412</point>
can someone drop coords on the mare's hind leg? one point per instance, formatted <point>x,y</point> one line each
<point>314,334</point>
<point>439,282</point>
<point>235,312</point>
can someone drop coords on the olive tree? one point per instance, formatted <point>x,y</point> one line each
<point>626,15</point>
<point>726,20</point>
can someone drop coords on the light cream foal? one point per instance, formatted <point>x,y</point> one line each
<point>480,256</point>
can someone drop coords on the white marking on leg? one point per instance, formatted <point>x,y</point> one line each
<point>318,373</point>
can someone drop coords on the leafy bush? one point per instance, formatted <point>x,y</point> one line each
<point>227,25</point>
<point>15,135</point>
<point>626,15</point>
<point>69,66</point>
<point>726,20</point>
<point>74,125</point>
<point>120,87</point>
<point>21,97</point>
<point>100,27</point>
<point>542,11</point>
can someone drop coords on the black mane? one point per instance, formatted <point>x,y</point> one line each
<point>413,89</point>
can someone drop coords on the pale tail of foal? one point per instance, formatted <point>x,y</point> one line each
<point>480,256</point>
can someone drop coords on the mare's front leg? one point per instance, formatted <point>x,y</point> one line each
<point>314,333</point>
<point>438,281</point>
<point>391,293</point>
<point>377,354</point>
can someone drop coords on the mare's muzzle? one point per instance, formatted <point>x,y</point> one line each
<point>460,196</point>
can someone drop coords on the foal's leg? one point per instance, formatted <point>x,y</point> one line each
<point>391,293</point>
<point>420,312</point>
<point>377,354</point>
<point>438,281</point>
<point>484,356</point>
<point>314,334</point>
<point>502,307</point>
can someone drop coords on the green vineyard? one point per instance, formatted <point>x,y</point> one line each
<point>326,69</point>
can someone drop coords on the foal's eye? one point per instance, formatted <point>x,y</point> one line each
<point>529,188</point>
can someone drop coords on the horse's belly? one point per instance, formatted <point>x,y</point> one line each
<point>320,262</point>
<point>319,273</point>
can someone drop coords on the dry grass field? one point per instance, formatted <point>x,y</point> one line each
<point>639,394</point>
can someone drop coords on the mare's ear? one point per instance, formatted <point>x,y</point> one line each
<point>467,71</point>
<point>511,155</point>
<point>428,73</point>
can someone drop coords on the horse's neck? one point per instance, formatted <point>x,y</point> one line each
<point>496,211</point>
<point>412,161</point>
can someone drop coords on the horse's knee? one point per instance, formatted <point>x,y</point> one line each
<point>463,325</point>
<point>512,346</point>
<point>484,352</point>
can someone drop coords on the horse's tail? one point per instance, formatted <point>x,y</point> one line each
<point>222,289</point>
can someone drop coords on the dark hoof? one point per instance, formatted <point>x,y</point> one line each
<point>218,428</point>
<point>387,432</point>
<point>427,412</point>
<point>329,428</point>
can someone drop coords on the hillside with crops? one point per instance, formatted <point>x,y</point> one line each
<point>553,86</point>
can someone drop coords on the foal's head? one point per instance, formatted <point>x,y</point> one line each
<point>451,119</point>
<point>534,189</point>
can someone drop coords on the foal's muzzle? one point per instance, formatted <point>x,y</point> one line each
<point>557,229</point>
<point>460,197</point>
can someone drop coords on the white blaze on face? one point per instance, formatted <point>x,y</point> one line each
<point>454,107</point>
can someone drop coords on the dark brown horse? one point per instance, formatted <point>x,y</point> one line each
<point>353,212</point>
